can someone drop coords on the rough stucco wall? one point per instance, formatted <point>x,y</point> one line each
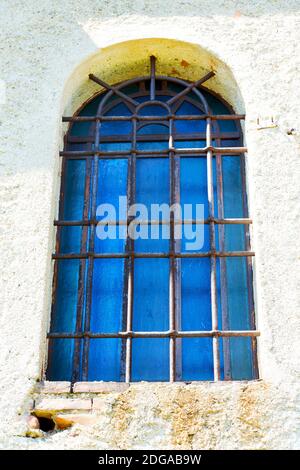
<point>42,43</point>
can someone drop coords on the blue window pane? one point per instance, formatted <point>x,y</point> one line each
<point>60,360</point>
<point>74,189</point>
<point>189,126</point>
<point>153,110</point>
<point>112,184</point>
<point>152,145</point>
<point>193,191</point>
<point>157,241</point>
<point>116,127</point>
<point>151,295</point>
<point>197,359</point>
<point>232,187</point>
<point>191,144</point>
<point>147,129</point>
<point>195,294</point>
<point>115,147</point>
<point>150,359</point>
<point>105,359</point>
<point>237,293</point>
<point>70,239</point>
<point>64,320</point>
<point>152,187</point>
<point>106,312</point>
<point>240,358</point>
<point>64,311</point>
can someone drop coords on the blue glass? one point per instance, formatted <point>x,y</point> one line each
<point>151,295</point>
<point>193,191</point>
<point>152,187</point>
<point>105,359</point>
<point>106,309</point>
<point>197,359</point>
<point>150,359</point>
<point>64,319</point>
<point>150,356</point>
<point>195,294</point>
<point>112,184</point>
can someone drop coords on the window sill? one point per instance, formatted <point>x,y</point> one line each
<point>49,387</point>
<point>65,405</point>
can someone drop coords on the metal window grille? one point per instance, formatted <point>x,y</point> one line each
<point>92,156</point>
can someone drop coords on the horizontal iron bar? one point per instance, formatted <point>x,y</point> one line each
<point>204,254</point>
<point>160,153</point>
<point>72,223</point>
<point>152,137</point>
<point>159,334</point>
<point>116,156</point>
<point>176,117</point>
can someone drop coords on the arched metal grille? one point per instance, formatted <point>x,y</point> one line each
<point>93,153</point>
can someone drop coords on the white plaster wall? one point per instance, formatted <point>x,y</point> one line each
<point>46,48</point>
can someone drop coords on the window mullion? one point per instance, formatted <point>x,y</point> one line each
<point>173,292</point>
<point>89,282</point>
<point>222,261</point>
<point>212,237</point>
<point>81,278</point>
<point>249,272</point>
<point>129,268</point>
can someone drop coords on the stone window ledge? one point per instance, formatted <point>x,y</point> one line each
<point>64,404</point>
<point>54,388</point>
<point>81,387</point>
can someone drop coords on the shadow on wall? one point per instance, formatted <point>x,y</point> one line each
<point>187,8</point>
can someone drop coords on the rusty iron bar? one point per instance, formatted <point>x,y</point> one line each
<point>172,261</point>
<point>81,277</point>
<point>204,254</point>
<point>160,334</point>
<point>177,265</point>
<point>249,274</point>
<point>84,139</point>
<point>114,89</point>
<point>160,153</point>
<point>174,117</point>
<point>222,261</point>
<point>89,281</point>
<point>72,223</point>
<point>213,277</point>
<point>190,87</point>
<point>152,77</point>
<point>130,251</point>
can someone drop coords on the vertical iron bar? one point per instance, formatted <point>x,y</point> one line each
<point>152,77</point>
<point>177,261</point>
<point>89,283</point>
<point>81,277</point>
<point>130,248</point>
<point>57,250</point>
<point>172,261</point>
<point>213,283</point>
<point>249,272</point>
<point>222,261</point>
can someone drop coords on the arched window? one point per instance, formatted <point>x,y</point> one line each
<point>148,295</point>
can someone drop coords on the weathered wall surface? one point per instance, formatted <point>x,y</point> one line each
<point>47,49</point>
